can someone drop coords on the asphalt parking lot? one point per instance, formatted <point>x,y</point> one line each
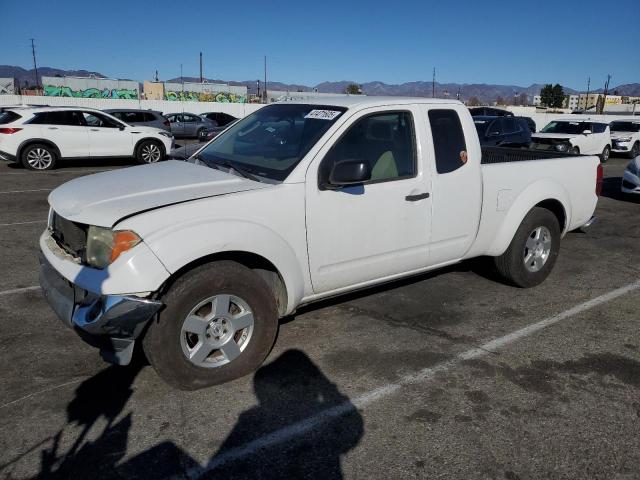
<point>447,375</point>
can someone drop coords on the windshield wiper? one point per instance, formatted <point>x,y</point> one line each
<point>231,166</point>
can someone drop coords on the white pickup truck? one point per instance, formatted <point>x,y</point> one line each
<point>297,202</point>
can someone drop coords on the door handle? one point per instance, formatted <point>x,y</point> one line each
<point>415,198</point>
<point>53,128</point>
<point>95,130</point>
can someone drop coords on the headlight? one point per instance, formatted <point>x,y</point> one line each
<point>562,147</point>
<point>633,168</point>
<point>165,134</point>
<point>623,139</point>
<point>104,245</point>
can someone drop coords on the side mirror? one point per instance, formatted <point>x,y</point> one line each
<point>349,172</point>
<point>586,132</point>
<point>121,127</point>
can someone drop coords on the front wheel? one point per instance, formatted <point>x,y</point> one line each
<point>606,152</point>
<point>149,151</point>
<point>533,251</point>
<point>219,324</point>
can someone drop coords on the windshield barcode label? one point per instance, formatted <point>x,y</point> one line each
<point>323,114</point>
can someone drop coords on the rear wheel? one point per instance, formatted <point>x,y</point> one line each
<point>533,250</point>
<point>39,157</point>
<point>149,151</point>
<point>219,324</point>
<point>606,152</point>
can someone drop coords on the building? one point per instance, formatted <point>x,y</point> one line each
<point>8,86</point>
<point>537,100</point>
<point>90,87</point>
<point>153,90</point>
<point>586,102</point>
<point>630,100</point>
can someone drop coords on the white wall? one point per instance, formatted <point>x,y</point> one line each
<point>543,119</point>
<point>236,109</point>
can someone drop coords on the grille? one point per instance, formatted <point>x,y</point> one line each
<point>71,236</point>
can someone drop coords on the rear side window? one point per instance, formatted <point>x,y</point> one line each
<point>65,117</point>
<point>599,127</point>
<point>448,140</point>
<point>149,117</point>
<point>8,117</point>
<point>509,125</point>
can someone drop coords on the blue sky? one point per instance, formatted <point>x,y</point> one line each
<point>468,41</point>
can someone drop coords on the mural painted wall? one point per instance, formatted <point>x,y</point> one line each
<point>7,86</point>
<point>205,92</point>
<point>90,88</point>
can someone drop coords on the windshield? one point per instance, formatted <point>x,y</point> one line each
<point>566,127</point>
<point>625,127</point>
<point>270,142</point>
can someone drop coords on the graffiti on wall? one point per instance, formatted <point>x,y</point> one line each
<point>61,91</point>
<point>222,97</point>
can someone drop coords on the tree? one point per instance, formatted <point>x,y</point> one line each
<point>499,100</point>
<point>474,102</point>
<point>353,89</point>
<point>552,95</point>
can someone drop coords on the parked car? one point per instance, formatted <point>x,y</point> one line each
<point>210,134</point>
<point>188,125</point>
<point>631,177</point>
<point>38,137</point>
<point>293,204</point>
<point>489,112</point>
<point>576,137</point>
<point>503,131</point>
<point>625,137</point>
<point>147,118</point>
<point>531,124</point>
<point>220,118</point>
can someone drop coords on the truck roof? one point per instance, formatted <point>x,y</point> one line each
<point>350,101</point>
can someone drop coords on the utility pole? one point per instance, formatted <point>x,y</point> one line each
<point>35,65</point>
<point>433,84</point>
<point>265,79</point>
<point>586,102</point>
<point>200,67</point>
<point>606,91</point>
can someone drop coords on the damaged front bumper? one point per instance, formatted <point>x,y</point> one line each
<point>109,322</point>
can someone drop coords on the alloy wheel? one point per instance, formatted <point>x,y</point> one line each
<point>39,158</point>
<point>151,153</point>
<point>537,249</point>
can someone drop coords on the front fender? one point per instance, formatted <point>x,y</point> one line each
<point>184,243</point>
<point>539,191</point>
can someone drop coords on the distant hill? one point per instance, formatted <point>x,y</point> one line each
<point>484,92</point>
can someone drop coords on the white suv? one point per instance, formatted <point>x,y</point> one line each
<point>575,136</point>
<point>40,136</point>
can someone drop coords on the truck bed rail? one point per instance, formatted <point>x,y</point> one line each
<point>506,155</point>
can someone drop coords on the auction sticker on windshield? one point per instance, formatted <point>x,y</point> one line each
<point>323,114</point>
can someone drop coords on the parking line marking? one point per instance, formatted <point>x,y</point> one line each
<point>22,223</point>
<point>19,290</point>
<point>28,191</point>
<point>303,426</point>
<point>58,172</point>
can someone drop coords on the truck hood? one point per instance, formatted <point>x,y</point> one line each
<point>558,136</point>
<point>105,198</point>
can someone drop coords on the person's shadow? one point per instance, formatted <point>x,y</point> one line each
<point>270,440</point>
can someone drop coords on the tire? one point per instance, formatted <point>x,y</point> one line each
<point>635,150</point>
<point>511,264</point>
<point>574,151</point>
<point>606,152</point>
<point>39,157</point>
<point>200,133</point>
<point>179,356</point>
<point>150,151</point>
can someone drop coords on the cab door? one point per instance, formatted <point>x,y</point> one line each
<point>379,228</point>
<point>457,182</point>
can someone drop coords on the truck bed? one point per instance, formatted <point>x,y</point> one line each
<point>508,155</point>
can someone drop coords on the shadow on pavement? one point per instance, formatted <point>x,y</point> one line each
<point>611,189</point>
<point>267,441</point>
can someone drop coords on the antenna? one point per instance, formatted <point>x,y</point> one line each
<point>35,65</point>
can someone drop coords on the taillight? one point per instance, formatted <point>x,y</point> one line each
<point>9,130</point>
<point>599,175</point>
<point>166,123</point>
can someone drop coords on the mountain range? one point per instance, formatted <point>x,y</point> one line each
<point>484,92</point>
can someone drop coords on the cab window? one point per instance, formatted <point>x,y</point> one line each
<point>448,140</point>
